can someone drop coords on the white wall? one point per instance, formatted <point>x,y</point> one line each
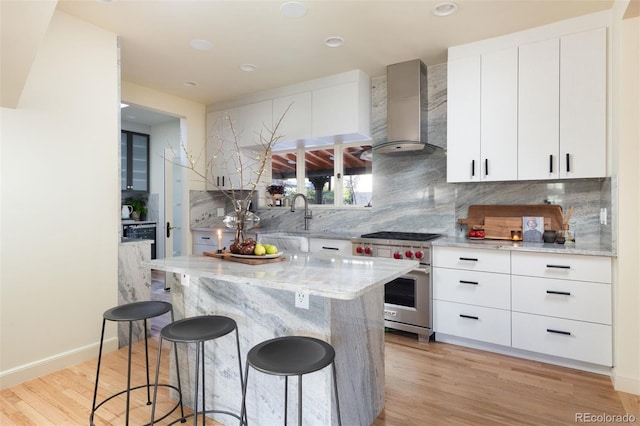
<point>60,203</point>
<point>626,142</point>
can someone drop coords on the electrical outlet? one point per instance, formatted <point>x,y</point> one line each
<point>184,280</point>
<point>603,216</point>
<point>302,300</point>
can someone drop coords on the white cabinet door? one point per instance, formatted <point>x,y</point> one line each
<point>223,154</point>
<point>252,120</point>
<point>499,115</point>
<point>539,110</point>
<point>335,110</point>
<point>583,89</point>
<point>463,120</point>
<point>296,124</point>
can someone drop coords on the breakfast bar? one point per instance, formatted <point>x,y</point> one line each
<point>345,308</point>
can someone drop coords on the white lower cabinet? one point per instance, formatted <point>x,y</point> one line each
<point>548,303</point>
<point>472,322</point>
<point>578,340</point>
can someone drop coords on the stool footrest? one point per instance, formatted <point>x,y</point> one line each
<point>184,419</point>
<point>150,386</point>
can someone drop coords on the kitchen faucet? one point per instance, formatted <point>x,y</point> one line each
<point>307,212</point>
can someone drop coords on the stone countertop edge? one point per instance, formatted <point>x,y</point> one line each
<point>578,248</point>
<point>335,277</point>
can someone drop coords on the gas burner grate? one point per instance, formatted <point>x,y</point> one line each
<point>405,236</point>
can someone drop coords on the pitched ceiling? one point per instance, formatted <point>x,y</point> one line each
<point>155,37</point>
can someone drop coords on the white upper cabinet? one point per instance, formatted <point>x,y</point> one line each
<point>499,115</point>
<point>463,119</point>
<point>222,156</point>
<point>253,119</point>
<point>482,111</point>
<point>534,108</point>
<point>296,124</point>
<point>583,95</point>
<point>562,107</point>
<point>336,110</point>
<point>539,110</point>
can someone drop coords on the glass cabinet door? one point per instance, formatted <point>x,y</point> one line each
<point>140,162</point>
<point>134,161</point>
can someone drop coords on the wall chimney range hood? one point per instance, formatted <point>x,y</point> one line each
<point>406,110</point>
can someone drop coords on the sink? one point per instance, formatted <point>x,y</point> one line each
<point>286,242</point>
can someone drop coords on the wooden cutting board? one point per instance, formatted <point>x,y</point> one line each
<point>499,228</point>
<point>258,260</point>
<point>499,220</point>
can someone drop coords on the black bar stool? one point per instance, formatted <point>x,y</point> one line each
<point>131,312</point>
<point>198,330</point>
<point>291,356</point>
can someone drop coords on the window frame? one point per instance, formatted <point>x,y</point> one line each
<point>338,170</point>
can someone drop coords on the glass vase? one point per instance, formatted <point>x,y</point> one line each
<point>240,220</point>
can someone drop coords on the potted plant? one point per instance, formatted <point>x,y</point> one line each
<point>276,192</point>
<point>139,208</point>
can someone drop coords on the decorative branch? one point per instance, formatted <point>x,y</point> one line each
<point>268,138</point>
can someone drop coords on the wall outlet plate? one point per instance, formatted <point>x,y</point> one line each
<point>302,300</point>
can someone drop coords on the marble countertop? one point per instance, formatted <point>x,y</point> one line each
<point>578,248</point>
<point>316,274</point>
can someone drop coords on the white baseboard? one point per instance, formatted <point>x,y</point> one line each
<point>53,363</point>
<point>626,384</point>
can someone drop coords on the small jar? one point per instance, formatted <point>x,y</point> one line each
<point>549,236</point>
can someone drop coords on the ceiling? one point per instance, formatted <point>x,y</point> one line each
<point>155,37</point>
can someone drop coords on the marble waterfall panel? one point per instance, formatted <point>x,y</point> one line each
<point>262,314</point>
<point>134,284</point>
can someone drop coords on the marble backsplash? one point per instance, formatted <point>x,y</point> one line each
<point>410,192</point>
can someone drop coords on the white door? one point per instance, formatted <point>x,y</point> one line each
<point>174,180</point>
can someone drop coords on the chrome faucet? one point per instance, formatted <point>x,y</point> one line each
<point>307,212</point>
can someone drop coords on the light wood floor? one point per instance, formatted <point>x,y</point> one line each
<point>426,384</point>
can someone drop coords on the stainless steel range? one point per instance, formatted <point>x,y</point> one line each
<point>408,300</point>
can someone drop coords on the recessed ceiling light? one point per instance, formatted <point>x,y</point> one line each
<point>200,44</point>
<point>293,9</point>
<point>248,67</point>
<point>445,8</point>
<point>334,41</point>
<point>190,83</point>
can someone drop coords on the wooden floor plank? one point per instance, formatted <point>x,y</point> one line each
<point>426,384</point>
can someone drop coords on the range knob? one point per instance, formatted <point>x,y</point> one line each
<point>397,255</point>
<point>359,250</point>
<point>367,250</point>
<point>408,254</point>
<point>419,254</point>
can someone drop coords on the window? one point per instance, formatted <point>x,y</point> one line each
<point>324,177</point>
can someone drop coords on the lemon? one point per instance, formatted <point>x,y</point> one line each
<point>259,250</point>
<point>271,249</point>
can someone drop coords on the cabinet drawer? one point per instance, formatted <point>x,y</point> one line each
<point>472,259</point>
<point>577,300</point>
<point>330,246</point>
<point>472,322</point>
<point>472,287</point>
<point>206,238</point>
<point>576,340</point>
<point>563,266</point>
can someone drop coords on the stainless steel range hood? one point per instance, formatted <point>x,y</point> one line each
<point>406,109</point>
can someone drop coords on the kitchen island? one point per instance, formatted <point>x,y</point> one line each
<point>346,302</point>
